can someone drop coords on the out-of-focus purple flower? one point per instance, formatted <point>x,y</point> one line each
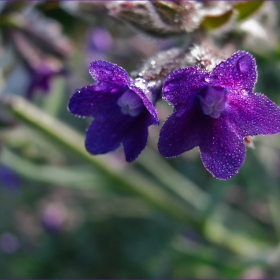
<point>41,76</point>
<point>8,178</point>
<point>42,68</point>
<point>53,218</point>
<point>100,40</point>
<point>122,109</point>
<point>9,243</point>
<point>215,111</point>
<point>39,44</point>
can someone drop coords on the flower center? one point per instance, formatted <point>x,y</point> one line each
<point>213,100</point>
<point>130,103</point>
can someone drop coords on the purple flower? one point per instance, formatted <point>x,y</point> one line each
<point>53,218</point>
<point>9,243</point>
<point>122,109</point>
<point>100,40</point>
<point>41,76</point>
<point>9,179</point>
<point>99,43</point>
<point>215,111</point>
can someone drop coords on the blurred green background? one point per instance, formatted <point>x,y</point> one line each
<point>67,214</point>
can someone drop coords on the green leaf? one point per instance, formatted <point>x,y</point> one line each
<point>213,22</point>
<point>246,9</point>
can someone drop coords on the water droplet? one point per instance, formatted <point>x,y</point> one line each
<point>244,64</point>
<point>114,90</point>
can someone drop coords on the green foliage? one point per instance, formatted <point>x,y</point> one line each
<point>246,9</point>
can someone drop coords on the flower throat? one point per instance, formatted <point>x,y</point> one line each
<point>213,100</point>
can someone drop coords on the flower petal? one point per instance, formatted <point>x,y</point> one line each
<point>135,139</point>
<point>96,99</point>
<point>237,73</point>
<point>180,133</point>
<point>254,114</point>
<point>182,85</point>
<point>148,104</point>
<point>106,132</point>
<point>108,72</point>
<point>222,149</point>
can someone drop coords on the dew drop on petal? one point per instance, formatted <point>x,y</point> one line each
<point>244,64</point>
<point>114,90</point>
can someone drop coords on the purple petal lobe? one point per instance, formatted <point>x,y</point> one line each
<point>135,139</point>
<point>180,133</point>
<point>109,72</point>
<point>222,149</point>
<point>106,132</point>
<point>254,114</point>
<point>182,86</point>
<point>92,100</point>
<point>237,73</point>
<point>147,103</point>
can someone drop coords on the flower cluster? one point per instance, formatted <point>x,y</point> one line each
<point>212,110</point>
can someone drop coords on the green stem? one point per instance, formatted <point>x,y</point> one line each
<point>205,207</point>
<point>207,254</point>
<point>129,179</point>
<point>77,177</point>
<point>125,179</point>
<point>174,181</point>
